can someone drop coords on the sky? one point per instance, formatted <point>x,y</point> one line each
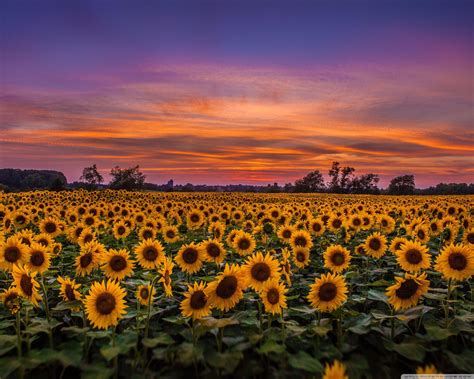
<point>250,92</point>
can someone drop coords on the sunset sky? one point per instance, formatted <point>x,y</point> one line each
<point>250,92</point>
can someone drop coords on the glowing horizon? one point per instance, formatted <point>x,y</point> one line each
<point>195,99</point>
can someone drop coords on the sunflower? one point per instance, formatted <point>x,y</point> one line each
<point>355,222</point>
<point>230,237</point>
<point>196,303</point>
<point>165,272</point>
<point>413,256</point>
<point>87,260</point>
<point>468,237</point>
<point>285,232</point>
<point>244,243</point>
<point>195,219</point>
<point>44,239</point>
<point>217,230</point>
<point>39,258</point>
<point>149,253</point>
<point>117,264</point>
<point>301,257</point>
<point>286,266</point>
<point>359,249</point>
<point>170,234</point>
<point>11,299</point>
<point>146,233</point>
<point>387,224</point>
<point>335,223</point>
<point>121,230</point>
<point>335,371</point>
<point>273,295</point>
<point>26,236</point>
<point>258,269</point>
<point>421,233</point>
<point>375,245</point>
<point>301,239</point>
<point>105,304</point>
<point>227,289</point>
<point>316,227</point>
<point>86,236</point>
<point>50,226</point>
<point>189,258</point>
<point>456,262</point>
<point>337,258</point>
<point>69,289</point>
<point>396,244</point>
<point>328,292</point>
<point>12,252</point>
<point>26,284</point>
<point>75,232</point>
<point>425,370</point>
<point>213,251</point>
<point>406,292</point>
<point>145,294</point>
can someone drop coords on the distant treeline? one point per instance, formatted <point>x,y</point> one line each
<point>342,180</point>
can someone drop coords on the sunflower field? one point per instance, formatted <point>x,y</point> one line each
<point>141,284</point>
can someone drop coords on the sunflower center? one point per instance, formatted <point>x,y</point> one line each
<point>20,220</point>
<point>327,291</point>
<point>244,244</point>
<point>10,298</point>
<point>260,271</point>
<point>300,241</point>
<point>150,253</point>
<point>190,256</point>
<point>300,256</point>
<point>434,227</point>
<point>147,234</point>
<point>88,238</point>
<point>105,303</point>
<point>384,223</point>
<point>213,250</point>
<point>398,245</point>
<point>50,227</point>
<point>194,218</point>
<point>69,291</point>
<point>144,293</point>
<point>420,234</point>
<point>26,285</point>
<point>413,256</point>
<point>375,244</point>
<point>227,287</point>
<point>86,260</point>
<point>338,258</point>
<point>337,223</point>
<point>273,296</point>
<point>407,289</point>
<point>457,261</point>
<point>470,238</point>
<point>286,234</point>
<point>170,234</point>
<point>356,222</point>
<point>12,254</point>
<point>121,230</point>
<point>198,300</point>
<point>37,258</point>
<point>118,263</point>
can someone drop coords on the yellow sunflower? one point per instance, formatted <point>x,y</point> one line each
<point>335,371</point>
<point>189,258</point>
<point>12,252</point>
<point>213,251</point>
<point>258,269</point>
<point>301,238</point>
<point>468,237</point>
<point>456,262</point>
<point>121,230</point>
<point>301,257</point>
<point>26,284</point>
<point>396,244</point>
<point>328,293</point>
<point>196,303</point>
<point>406,292</point>
<point>11,299</point>
<point>273,295</point>
<point>422,233</point>
<point>165,272</point>
<point>50,226</point>
<point>39,258</point>
<point>244,243</point>
<point>149,253</point>
<point>285,265</point>
<point>425,370</point>
<point>117,264</point>
<point>375,245</point>
<point>69,289</point>
<point>87,261</point>
<point>145,294</point>
<point>227,289</point>
<point>337,258</point>
<point>285,232</point>
<point>413,256</point>
<point>217,229</point>
<point>105,304</point>
<point>170,234</point>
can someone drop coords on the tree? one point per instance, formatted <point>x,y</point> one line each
<point>313,182</point>
<point>366,183</point>
<point>57,185</point>
<point>402,185</point>
<point>127,178</point>
<point>341,178</point>
<point>91,176</point>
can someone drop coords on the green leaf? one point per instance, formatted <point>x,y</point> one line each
<point>160,339</point>
<point>109,352</point>
<point>410,350</point>
<point>436,333</point>
<point>378,296</point>
<point>211,322</point>
<point>321,330</point>
<point>462,361</point>
<point>271,346</point>
<point>306,362</point>
<point>96,371</point>
<point>8,365</point>
<point>226,361</point>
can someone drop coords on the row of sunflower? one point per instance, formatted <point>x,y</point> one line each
<point>209,252</point>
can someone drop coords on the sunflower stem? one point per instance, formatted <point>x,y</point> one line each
<point>446,308</point>
<point>392,323</point>
<point>114,343</point>
<point>260,318</point>
<point>147,328</point>
<point>48,314</point>
<point>339,330</point>
<point>18,334</point>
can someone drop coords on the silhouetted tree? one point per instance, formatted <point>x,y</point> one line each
<point>341,178</point>
<point>313,182</point>
<point>91,176</point>
<point>366,183</point>
<point>127,178</point>
<point>402,185</point>
<point>57,185</point>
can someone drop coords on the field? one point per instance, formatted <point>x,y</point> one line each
<point>136,284</point>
